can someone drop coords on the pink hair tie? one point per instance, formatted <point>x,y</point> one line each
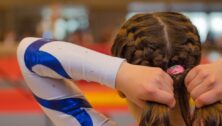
<point>176,69</point>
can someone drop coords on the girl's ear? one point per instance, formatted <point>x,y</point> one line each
<point>135,110</point>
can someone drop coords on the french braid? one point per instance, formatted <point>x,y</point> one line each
<point>161,39</point>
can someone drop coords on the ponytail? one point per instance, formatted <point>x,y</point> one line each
<point>210,115</point>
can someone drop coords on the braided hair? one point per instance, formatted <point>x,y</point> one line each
<point>161,39</point>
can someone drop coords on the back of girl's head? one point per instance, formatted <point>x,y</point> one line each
<point>161,39</point>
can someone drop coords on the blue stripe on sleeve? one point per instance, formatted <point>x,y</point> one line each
<point>70,106</point>
<point>34,56</point>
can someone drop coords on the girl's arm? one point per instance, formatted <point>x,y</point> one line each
<point>47,64</point>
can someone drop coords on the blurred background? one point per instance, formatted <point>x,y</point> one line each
<point>89,23</point>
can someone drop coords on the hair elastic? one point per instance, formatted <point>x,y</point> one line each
<point>176,69</point>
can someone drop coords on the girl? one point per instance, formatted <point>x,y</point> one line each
<point>47,65</point>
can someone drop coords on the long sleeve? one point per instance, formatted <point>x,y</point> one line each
<point>58,59</point>
<point>46,65</point>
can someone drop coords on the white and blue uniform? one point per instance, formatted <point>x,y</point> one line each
<point>47,65</point>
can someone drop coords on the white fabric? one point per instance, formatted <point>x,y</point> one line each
<point>79,63</point>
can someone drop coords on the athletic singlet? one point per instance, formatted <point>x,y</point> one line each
<point>47,67</point>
